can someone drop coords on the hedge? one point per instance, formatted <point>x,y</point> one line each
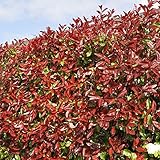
<point>90,90</point>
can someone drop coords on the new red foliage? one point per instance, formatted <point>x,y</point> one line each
<point>84,89</point>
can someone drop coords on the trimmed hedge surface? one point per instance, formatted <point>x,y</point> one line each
<point>87,91</point>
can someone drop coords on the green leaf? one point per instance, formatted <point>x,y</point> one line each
<point>135,65</point>
<point>142,133</point>
<point>89,53</point>
<point>65,144</point>
<point>113,63</point>
<point>129,98</point>
<point>148,103</point>
<point>149,119</point>
<point>103,155</point>
<point>133,156</point>
<point>157,138</point>
<point>102,44</point>
<point>62,62</point>
<point>4,135</point>
<point>17,157</point>
<point>62,144</point>
<point>68,143</point>
<point>45,70</point>
<point>29,104</point>
<point>71,42</point>
<point>12,51</point>
<point>3,153</point>
<point>157,154</point>
<point>127,153</point>
<point>157,24</point>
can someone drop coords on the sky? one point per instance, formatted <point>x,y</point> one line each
<point>26,18</point>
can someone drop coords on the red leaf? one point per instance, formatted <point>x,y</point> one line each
<point>109,118</point>
<point>136,91</point>
<point>150,88</point>
<point>111,141</point>
<point>113,131</point>
<point>93,98</point>
<point>104,124</point>
<point>111,113</point>
<point>123,92</point>
<point>130,131</point>
<point>89,134</point>
<point>101,63</point>
<point>15,150</point>
<point>5,114</point>
<point>121,100</point>
<point>140,149</point>
<point>110,100</point>
<point>6,100</point>
<point>121,147</point>
<point>154,105</point>
<point>158,113</point>
<point>131,124</point>
<point>145,120</point>
<point>100,6</point>
<point>110,152</point>
<point>156,124</point>
<point>12,133</point>
<point>135,142</point>
<point>158,44</point>
<point>129,77</point>
<point>140,157</point>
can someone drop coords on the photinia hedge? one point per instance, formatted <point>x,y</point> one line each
<point>87,91</point>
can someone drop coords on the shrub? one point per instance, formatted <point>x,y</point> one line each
<point>87,91</point>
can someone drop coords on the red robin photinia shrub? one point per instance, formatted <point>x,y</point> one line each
<point>87,91</point>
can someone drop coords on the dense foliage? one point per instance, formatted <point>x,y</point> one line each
<point>87,91</point>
